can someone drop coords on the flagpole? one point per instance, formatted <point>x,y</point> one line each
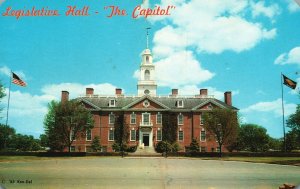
<point>8,100</point>
<point>282,104</point>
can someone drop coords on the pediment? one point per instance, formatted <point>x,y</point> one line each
<point>89,105</point>
<point>208,105</point>
<point>146,102</point>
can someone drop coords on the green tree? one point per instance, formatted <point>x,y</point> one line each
<point>194,146</point>
<point>64,122</point>
<point>121,133</point>
<point>96,144</point>
<point>253,138</point>
<point>6,134</point>
<point>292,141</point>
<point>170,128</point>
<point>223,123</point>
<point>44,140</point>
<point>293,123</point>
<point>24,143</point>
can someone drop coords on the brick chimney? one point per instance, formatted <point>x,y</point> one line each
<point>203,92</point>
<point>64,96</point>
<point>118,91</point>
<point>89,91</point>
<point>227,98</point>
<point>174,92</point>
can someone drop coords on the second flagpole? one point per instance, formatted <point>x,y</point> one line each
<point>282,104</point>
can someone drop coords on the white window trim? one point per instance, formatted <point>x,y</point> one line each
<point>131,135</point>
<point>182,136</point>
<point>157,117</point>
<point>71,136</point>
<point>201,135</point>
<point>180,114</point>
<point>109,120</point>
<point>146,113</point>
<point>157,135</point>
<point>87,135</point>
<point>112,104</point>
<point>113,134</point>
<point>201,119</point>
<point>180,105</point>
<point>131,118</point>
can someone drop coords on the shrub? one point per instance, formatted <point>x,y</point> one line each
<point>194,146</point>
<point>163,146</point>
<point>175,147</point>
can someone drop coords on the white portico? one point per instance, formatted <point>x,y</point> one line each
<point>146,131</point>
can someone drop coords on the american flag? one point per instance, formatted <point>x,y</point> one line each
<point>16,80</point>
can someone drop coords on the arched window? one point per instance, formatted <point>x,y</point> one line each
<point>147,59</point>
<point>147,75</point>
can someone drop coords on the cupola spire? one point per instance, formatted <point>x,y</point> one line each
<point>147,37</point>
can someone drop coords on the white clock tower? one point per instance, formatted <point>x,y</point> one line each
<point>146,84</point>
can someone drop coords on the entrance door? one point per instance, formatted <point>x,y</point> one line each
<point>146,139</point>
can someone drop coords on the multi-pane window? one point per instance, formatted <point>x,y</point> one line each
<point>72,135</point>
<point>180,103</point>
<point>111,118</point>
<point>88,135</point>
<point>133,118</point>
<point>112,103</point>
<point>180,119</point>
<point>132,135</point>
<point>159,135</point>
<point>201,119</point>
<point>72,149</point>
<point>203,149</point>
<point>180,135</point>
<point>111,135</point>
<point>146,118</point>
<point>203,135</point>
<point>158,118</point>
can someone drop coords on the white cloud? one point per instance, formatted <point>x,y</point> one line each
<point>259,8</point>
<point>27,111</point>
<point>76,89</point>
<point>293,5</point>
<point>181,69</point>
<point>292,57</point>
<point>274,107</point>
<point>211,26</point>
<point>7,71</point>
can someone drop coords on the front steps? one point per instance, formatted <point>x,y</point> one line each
<point>146,152</point>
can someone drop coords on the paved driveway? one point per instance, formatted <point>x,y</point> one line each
<point>115,172</point>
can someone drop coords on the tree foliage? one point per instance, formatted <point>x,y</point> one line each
<point>223,123</point>
<point>96,146</point>
<point>194,146</point>
<point>253,138</point>
<point>293,136</point>
<point>24,143</point>
<point>6,134</point>
<point>121,133</point>
<point>170,127</point>
<point>64,122</point>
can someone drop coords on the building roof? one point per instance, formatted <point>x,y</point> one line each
<point>166,103</point>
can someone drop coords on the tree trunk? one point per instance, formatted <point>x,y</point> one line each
<point>220,152</point>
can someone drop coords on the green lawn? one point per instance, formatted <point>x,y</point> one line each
<point>272,160</point>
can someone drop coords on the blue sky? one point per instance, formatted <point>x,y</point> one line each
<point>222,45</point>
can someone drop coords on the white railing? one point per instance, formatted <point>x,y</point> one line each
<point>146,124</point>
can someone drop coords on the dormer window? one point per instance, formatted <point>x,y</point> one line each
<point>112,103</point>
<point>179,103</point>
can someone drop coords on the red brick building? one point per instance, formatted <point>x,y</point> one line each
<point>143,113</point>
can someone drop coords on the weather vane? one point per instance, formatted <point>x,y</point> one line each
<point>148,36</point>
